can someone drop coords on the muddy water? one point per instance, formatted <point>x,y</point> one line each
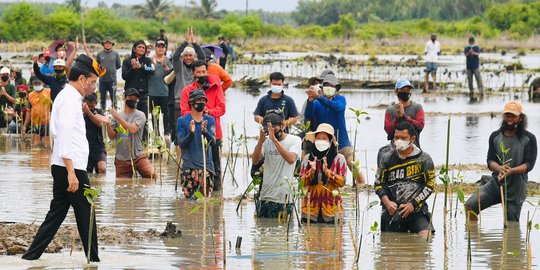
<point>142,204</point>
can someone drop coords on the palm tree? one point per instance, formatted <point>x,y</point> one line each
<point>153,9</point>
<point>207,9</point>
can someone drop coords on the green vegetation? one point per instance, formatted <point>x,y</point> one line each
<point>377,20</point>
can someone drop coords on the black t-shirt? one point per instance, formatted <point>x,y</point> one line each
<point>94,134</point>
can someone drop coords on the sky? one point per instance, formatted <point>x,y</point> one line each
<point>267,5</point>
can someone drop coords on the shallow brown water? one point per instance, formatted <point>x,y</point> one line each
<point>142,204</point>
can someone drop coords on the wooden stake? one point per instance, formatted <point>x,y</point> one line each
<point>224,245</point>
<point>503,206</point>
<point>204,165</point>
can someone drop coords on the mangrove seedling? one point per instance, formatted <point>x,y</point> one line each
<point>461,198</point>
<point>204,203</point>
<point>91,194</point>
<point>122,134</point>
<point>504,161</point>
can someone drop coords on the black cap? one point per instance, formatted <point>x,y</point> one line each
<point>196,95</point>
<point>208,53</point>
<point>273,116</point>
<point>131,92</point>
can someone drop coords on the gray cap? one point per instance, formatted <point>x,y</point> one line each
<point>331,79</point>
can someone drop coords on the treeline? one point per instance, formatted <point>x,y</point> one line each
<point>27,22</point>
<point>327,12</point>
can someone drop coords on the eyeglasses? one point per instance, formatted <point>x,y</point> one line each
<point>92,84</point>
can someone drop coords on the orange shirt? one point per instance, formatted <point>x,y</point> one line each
<point>217,70</point>
<point>40,103</point>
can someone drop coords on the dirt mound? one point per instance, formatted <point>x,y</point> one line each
<point>15,238</point>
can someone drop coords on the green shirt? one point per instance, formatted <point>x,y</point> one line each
<point>12,91</point>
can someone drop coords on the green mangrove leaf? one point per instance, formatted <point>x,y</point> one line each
<point>461,196</point>
<point>199,195</point>
<point>195,209</point>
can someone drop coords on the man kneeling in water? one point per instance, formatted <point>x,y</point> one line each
<point>405,180</point>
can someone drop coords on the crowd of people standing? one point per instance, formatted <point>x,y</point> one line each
<point>189,87</point>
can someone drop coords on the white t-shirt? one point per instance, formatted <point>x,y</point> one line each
<point>277,172</point>
<point>432,49</point>
<point>68,129</point>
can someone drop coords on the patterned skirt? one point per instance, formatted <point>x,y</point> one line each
<point>192,181</point>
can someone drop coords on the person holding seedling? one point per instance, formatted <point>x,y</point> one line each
<point>68,161</point>
<point>323,173</point>
<point>280,152</point>
<point>39,107</point>
<point>126,128</point>
<point>215,107</point>
<point>404,110</point>
<point>196,133</point>
<point>511,156</point>
<point>405,179</point>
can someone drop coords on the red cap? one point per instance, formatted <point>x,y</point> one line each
<point>46,53</point>
<point>23,87</point>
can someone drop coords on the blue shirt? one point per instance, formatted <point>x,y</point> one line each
<point>284,103</point>
<point>330,111</point>
<point>191,143</point>
<point>472,60</point>
<point>47,69</point>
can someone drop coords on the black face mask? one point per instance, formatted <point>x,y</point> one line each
<point>506,126</point>
<point>404,96</point>
<point>5,78</point>
<point>202,80</point>
<point>59,71</point>
<point>22,94</point>
<point>199,106</point>
<point>47,58</point>
<point>279,134</point>
<point>131,103</point>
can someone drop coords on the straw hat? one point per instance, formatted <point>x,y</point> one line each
<point>326,128</point>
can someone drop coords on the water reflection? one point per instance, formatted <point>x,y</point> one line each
<point>402,251</point>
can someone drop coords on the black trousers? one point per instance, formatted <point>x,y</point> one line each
<point>163,103</point>
<point>60,203</point>
<point>104,88</point>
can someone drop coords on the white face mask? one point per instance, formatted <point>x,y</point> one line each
<point>38,88</point>
<point>329,91</point>
<point>322,145</point>
<point>276,89</point>
<point>402,145</point>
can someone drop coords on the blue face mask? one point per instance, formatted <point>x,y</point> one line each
<point>276,89</point>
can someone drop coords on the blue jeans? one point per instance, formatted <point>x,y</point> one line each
<point>105,87</point>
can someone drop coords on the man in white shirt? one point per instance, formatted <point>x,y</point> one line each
<point>280,152</point>
<point>432,52</point>
<point>69,159</point>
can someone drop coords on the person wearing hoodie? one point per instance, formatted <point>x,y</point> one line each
<point>136,71</point>
<point>405,179</point>
<point>182,61</point>
<point>55,81</point>
<point>215,107</point>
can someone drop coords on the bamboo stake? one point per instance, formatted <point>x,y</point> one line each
<point>204,165</point>
<point>224,245</point>
<point>503,204</point>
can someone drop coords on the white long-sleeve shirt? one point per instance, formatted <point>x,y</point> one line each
<point>68,129</point>
<point>432,50</point>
